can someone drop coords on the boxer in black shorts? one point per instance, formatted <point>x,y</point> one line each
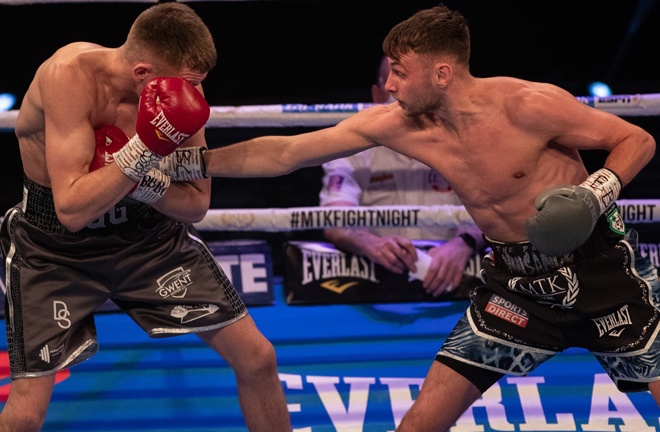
<point>157,270</point>
<point>602,297</point>
<point>105,216</point>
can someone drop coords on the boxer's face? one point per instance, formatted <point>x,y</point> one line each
<point>412,84</point>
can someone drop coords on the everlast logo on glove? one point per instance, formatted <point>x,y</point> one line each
<point>165,127</point>
<point>164,102</point>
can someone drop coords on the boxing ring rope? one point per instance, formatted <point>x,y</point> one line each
<point>323,115</point>
<point>306,218</point>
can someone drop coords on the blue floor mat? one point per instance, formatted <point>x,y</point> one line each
<point>343,367</point>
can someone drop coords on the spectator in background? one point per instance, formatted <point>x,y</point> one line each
<point>380,176</point>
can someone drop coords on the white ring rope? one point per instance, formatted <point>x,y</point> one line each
<point>306,218</point>
<point>640,211</point>
<point>321,115</point>
<point>287,115</point>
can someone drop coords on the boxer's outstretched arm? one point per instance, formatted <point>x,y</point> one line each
<point>271,156</point>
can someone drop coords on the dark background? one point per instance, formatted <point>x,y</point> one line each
<point>325,51</point>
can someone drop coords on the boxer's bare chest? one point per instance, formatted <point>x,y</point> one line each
<point>122,115</point>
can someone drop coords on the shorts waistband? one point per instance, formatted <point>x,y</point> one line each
<point>524,259</point>
<point>39,210</point>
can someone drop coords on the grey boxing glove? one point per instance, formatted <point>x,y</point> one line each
<point>567,214</point>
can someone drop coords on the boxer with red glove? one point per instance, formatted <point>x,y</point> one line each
<point>109,140</point>
<point>170,111</point>
<point>185,164</point>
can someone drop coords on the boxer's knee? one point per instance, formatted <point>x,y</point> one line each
<point>26,407</point>
<point>260,364</point>
<point>26,421</point>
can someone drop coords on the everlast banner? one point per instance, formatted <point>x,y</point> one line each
<point>318,273</point>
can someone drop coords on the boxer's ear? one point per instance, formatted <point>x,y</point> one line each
<point>443,74</point>
<point>142,72</point>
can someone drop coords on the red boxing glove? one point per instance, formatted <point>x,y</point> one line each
<point>109,140</point>
<point>170,111</point>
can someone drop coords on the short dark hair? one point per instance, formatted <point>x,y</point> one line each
<point>174,32</point>
<point>437,30</point>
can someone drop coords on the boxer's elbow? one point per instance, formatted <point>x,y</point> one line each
<point>288,162</point>
<point>645,151</point>
<point>194,216</point>
<point>189,217</point>
<point>198,205</point>
<point>72,221</point>
<point>650,146</point>
<point>184,203</point>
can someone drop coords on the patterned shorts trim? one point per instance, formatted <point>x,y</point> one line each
<point>613,314</point>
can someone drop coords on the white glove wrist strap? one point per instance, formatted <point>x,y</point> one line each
<point>184,164</point>
<point>605,185</point>
<point>135,159</point>
<point>151,187</point>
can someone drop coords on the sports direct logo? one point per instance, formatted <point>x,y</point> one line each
<point>508,311</point>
